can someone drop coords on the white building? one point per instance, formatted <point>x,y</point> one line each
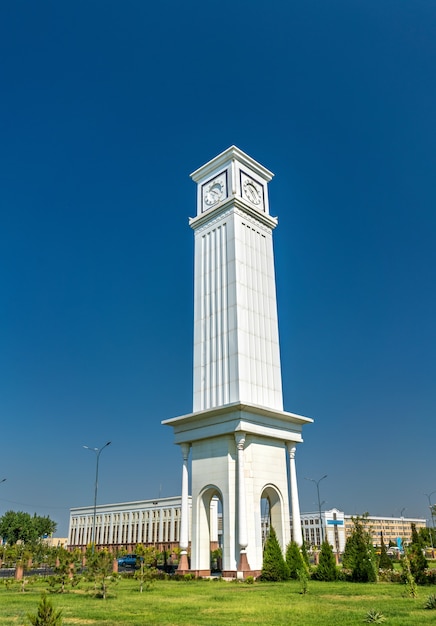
<point>157,523</point>
<point>125,524</point>
<point>331,527</point>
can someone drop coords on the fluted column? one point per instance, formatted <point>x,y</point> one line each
<point>242,509</point>
<point>111,529</point>
<point>184,532</point>
<point>129,528</point>
<point>295,503</point>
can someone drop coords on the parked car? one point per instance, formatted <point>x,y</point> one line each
<point>394,551</point>
<point>128,560</point>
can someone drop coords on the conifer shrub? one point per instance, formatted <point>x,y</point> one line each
<point>418,562</point>
<point>274,566</point>
<point>409,581</point>
<point>359,558</point>
<point>294,560</point>
<point>305,555</point>
<point>327,569</point>
<point>384,562</point>
<point>46,614</point>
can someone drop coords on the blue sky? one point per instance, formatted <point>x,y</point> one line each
<point>106,108</point>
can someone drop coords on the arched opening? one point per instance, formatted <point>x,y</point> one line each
<point>210,536</point>
<point>271,510</point>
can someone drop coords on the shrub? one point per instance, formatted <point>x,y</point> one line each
<point>303,577</point>
<point>294,559</point>
<point>409,581</point>
<point>384,562</point>
<point>359,557</point>
<point>46,615</point>
<point>326,569</point>
<point>274,567</point>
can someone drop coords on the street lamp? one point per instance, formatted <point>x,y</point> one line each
<point>402,521</point>
<point>319,503</point>
<point>97,452</point>
<point>429,495</point>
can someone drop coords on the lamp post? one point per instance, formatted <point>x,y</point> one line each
<point>402,522</point>
<point>97,452</point>
<point>429,495</point>
<point>319,503</point>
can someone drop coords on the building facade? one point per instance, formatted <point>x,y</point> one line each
<point>391,528</point>
<point>157,523</point>
<point>126,524</point>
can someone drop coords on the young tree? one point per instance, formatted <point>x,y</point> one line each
<point>418,562</point>
<point>294,560</point>
<point>359,556</point>
<point>327,569</point>
<point>147,558</point>
<point>64,569</point>
<point>46,615</point>
<point>305,555</point>
<point>99,568</point>
<point>409,580</point>
<point>384,560</point>
<point>274,567</point>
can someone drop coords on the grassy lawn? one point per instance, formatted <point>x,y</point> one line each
<point>187,603</point>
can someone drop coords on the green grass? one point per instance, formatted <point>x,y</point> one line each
<point>207,603</point>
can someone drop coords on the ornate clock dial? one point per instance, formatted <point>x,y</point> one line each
<point>213,194</point>
<point>252,191</point>
<point>214,191</point>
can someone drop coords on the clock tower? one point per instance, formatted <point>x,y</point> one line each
<point>242,443</point>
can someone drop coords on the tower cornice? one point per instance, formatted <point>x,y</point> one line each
<point>239,206</point>
<point>222,160</point>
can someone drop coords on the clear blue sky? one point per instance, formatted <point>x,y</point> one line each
<point>105,109</point>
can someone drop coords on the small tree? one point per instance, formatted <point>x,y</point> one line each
<point>294,560</point>
<point>99,566</point>
<point>384,560</point>
<point>409,580</point>
<point>147,558</point>
<point>46,615</point>
<point>274,566</point>
<point>305,555</point>
<point>327,569</point>
<point>418,562</point>
<point>359,556</point>
<point>64,570</point>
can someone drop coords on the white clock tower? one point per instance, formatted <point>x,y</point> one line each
<point>242,442</point>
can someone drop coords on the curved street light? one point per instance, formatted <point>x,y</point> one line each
<point>319,503</point>
<point>429,495</point>
<point>97,452</point>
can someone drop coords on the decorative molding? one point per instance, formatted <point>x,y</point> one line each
<point>240,207</point>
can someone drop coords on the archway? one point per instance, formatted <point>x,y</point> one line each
<point>271,508</point>
<point>209,537</point>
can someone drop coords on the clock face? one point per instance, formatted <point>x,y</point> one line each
<point>214,191</point>
<point>252,191</point>
<point>213,194</point>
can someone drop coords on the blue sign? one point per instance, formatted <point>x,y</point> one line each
<point>335,522</point>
